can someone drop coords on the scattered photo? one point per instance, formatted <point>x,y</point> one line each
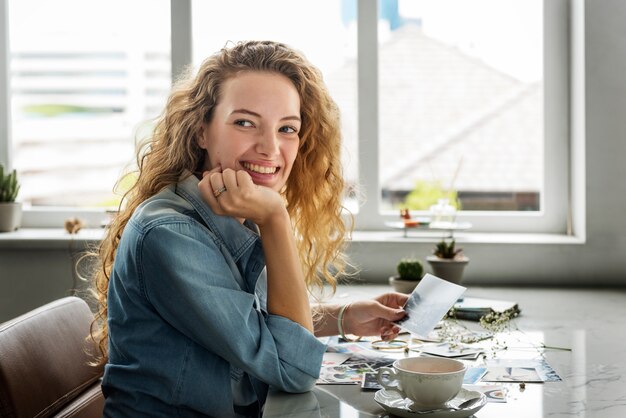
<point>332,359</point>
<point>343,374</point>
<point>511,374</point>
<point>494,393</point>
<point>544,370</point>
<point>374,363</point>
<point>451,350</point>
<point>473,375</point>
<point>370,382</point>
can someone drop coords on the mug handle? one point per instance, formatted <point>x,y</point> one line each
<point>392,378</point>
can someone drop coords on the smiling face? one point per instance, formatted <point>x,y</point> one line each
<point>255,127</point>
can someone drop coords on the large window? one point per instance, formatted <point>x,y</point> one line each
<point>461,110</point>
<point>460,98</point>
<point>472,105</point>
<point>86,77</point>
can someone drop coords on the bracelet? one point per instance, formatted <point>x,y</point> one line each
<point>342,312</point>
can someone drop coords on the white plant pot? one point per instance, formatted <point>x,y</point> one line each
<point>10,216</point>
<point>448,269</point>
<point>402,286</point>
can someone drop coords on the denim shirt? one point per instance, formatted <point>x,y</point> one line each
<point>189,334</point>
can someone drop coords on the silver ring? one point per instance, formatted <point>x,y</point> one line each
<point>219,191</point>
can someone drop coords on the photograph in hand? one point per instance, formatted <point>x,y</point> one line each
<point>428,304</point>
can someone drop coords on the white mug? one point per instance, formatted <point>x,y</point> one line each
<point>428,382</point>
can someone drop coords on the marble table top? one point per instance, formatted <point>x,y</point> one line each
<point>585,327</point>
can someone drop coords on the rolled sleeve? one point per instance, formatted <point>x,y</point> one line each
<point>299,350</point>
<point>190,283</point>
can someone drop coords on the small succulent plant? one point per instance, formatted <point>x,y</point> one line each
<point>447,250</point>
<point>410,269</point>
<point>9,186</point>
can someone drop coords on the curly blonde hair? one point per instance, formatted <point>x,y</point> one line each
<point>313,191</point>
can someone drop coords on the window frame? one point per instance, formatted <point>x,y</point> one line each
<point>559,93</point>
<point>5,106</point>
<point>51,217</point>
<point>555,215</point>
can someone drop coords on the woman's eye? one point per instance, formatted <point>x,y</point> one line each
<point>243,122</point>
<point>288,130</point>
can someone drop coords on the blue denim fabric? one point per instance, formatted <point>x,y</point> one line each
<point>188,335</point>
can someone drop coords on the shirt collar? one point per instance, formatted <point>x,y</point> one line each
<point>237,238</point>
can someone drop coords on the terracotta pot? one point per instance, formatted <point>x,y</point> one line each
<point>402,286</point>
<point>10,216</point>
<point>448,269</point>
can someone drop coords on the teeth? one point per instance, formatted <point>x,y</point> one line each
<point>259,168</point>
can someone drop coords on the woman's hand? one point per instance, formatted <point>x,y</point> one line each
<point>375,316</point>
<point>233,193</point>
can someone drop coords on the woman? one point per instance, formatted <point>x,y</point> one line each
<point>235,215</point>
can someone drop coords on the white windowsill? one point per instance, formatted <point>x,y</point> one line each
<point>50,238</point>
<point>466,237</point>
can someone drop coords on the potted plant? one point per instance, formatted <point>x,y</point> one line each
<point>447,261</point>
<point>410,271</point>
<point>10,210</point>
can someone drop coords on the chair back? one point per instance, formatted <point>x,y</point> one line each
<point>44,370</point>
